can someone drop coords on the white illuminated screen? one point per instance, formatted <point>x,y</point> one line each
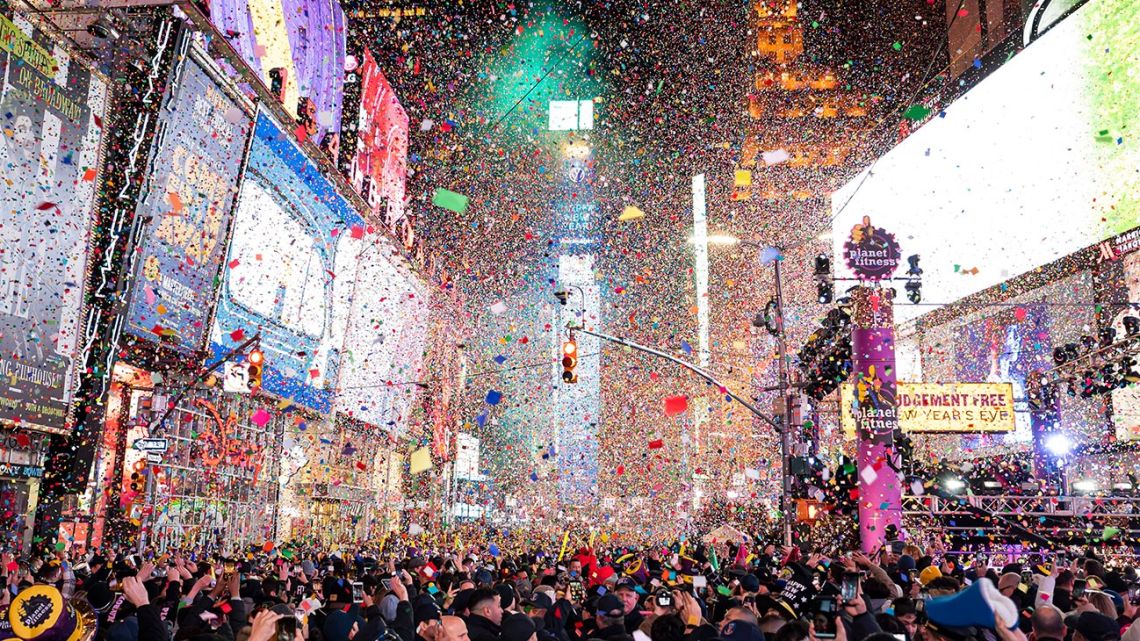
<point>384,340</point>
<point>1022,170</point>
<point>570,115</point>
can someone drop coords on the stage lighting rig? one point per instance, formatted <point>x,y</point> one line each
<point>825,359</point>
<point>1097,365</point>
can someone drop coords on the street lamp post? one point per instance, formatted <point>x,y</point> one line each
<point>783,380</point>
<point>786,434</point>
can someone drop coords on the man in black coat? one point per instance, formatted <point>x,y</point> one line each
<point>486,615</point>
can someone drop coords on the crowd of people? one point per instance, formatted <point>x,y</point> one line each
<point>730,591</point>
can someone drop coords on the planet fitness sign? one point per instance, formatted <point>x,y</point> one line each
<point>870,252</point>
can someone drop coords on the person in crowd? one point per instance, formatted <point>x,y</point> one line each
<point>1048,624</point>
<point>1092,626</point>
<point>609,614</point>
<point>630,599</point>
<point>486,608</point>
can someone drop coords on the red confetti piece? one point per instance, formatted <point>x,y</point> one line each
<point>676,405</point>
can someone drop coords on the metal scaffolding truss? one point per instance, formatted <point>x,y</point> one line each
<point>1049,514</point>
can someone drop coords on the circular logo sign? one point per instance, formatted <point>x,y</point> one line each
<point>872,253</point>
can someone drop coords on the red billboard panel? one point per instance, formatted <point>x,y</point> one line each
<point>379,168</point>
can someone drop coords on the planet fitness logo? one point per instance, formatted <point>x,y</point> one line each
<point>872,253</point>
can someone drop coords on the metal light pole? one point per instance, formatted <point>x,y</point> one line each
<point>783,386</point>
<point>786,433</point>
<point>780,429</point>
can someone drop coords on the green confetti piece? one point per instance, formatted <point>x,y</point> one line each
<point>916,112</point>
<point>450,200</point>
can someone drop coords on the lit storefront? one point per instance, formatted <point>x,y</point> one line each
<point>343,492</point>
<point>217,479</point>
<point>21,466</point>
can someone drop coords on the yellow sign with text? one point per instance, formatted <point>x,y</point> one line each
<point>942,408</point>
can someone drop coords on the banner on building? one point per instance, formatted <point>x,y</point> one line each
<point>294,285</point>
<point>384,343</point>
<point>191,191</point>
<point>943,408</point>
<point>52,110</point>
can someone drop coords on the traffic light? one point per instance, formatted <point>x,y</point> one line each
<point>569,361</point>
<point>824,286</point>
<point>914,291</point>
<point>914,280</point>
<point>256,362</point>
<point>137,479</point>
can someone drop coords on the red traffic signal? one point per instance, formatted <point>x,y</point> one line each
<point>569,361</point>
<point>256,362</point>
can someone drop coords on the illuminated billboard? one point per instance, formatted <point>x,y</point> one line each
<point>1035,162</point>
<point>52,112</point>
<point>191,189</point>
<point>943,407</point>
<point>297,47</point>
<point>384,341</point>
<point>293,285</point>
<point>380,164</point>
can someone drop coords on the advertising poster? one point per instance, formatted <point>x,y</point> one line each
<point>379,170</point>
<point>1126,401</point>
<point>1004,346</point>
<point>295,284</point>
<point>298,49</point>
<point>189,200</point>
<point>51,112</point>
<point>875,411</point>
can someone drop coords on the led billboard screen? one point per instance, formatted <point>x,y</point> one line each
<point>51,109</point>
<point>192,186</point>
<point>285,284</point>
<point>1035,162</point>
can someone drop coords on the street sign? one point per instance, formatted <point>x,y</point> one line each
<point>236,378</point>
<point>154,457</point>
<point>151,445</point>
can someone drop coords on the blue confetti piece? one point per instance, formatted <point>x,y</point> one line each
<point>500,359</point>
<point>481,420</point>
<point>687,348</point>
<point>493,397</point>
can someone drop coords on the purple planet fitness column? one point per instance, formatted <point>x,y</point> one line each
<point>876,413</point>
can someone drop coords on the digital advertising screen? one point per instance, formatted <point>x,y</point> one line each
<point>383,343</point>
<point>296,44</point>
<point>1004,341</point>
<point>189,201</point>
<point>1034,163</point>
<point>51,110</point>
<point>380,167</point>
<point>293,285</point>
